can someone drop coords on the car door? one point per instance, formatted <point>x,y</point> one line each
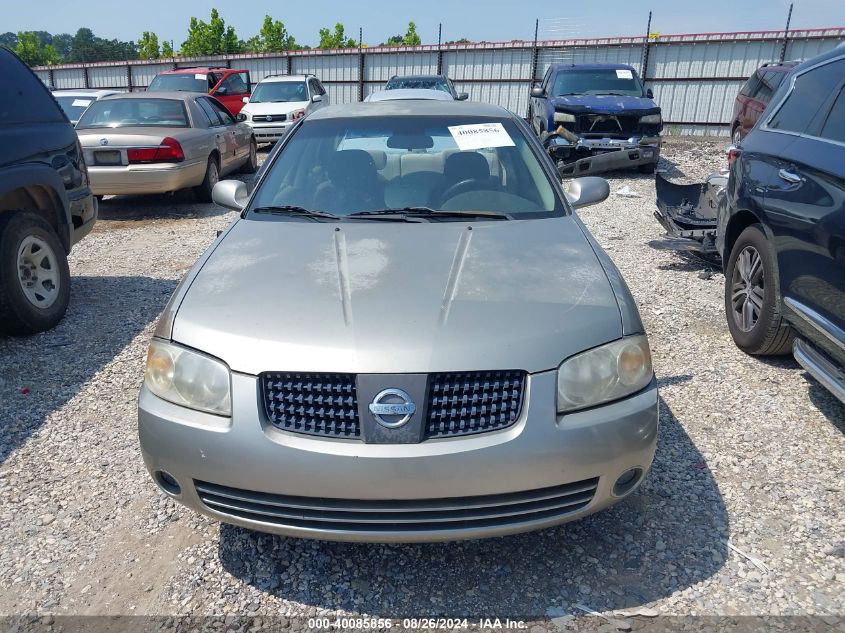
<point>805,200</point>
<point>223,140</point>
<point>232,90</point>
<point>238,135</point>
<point>538,104</point>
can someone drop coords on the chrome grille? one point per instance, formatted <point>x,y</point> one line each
<point>416,515</point>
<point>269,118</point>
<point>465,403</point>
<point>314,404</point>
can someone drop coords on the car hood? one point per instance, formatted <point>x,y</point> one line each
<point>604,104</point>
<point>379,297</point>
<point>284,107</point>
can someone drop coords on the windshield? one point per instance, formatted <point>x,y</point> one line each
<point>365,164</point>
<point>74,106</point>
<point>425,83</point>
<point>134,113</point>
<point>183,82</point>
<point>279,92</point>
<point>597,82</point>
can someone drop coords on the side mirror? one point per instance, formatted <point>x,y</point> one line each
<point>649,93</point>
<point>583,192</point>
<point>245,99</point>
<point>537,91</point>
<point>231,194</point>
<point>316,98</point>
<point>463,96</point>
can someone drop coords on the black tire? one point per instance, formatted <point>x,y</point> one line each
<point>647,168</point>
<point>735,140</point>
<point>752,307</point>
<point>212,177</point>
<point>21,311</point>
<point>251,165</point>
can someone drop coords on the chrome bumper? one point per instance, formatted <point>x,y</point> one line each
<point>143,179</point>
<point>544,470</point>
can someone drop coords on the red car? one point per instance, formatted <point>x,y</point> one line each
<point>754,96</point>
<point>228,85</point>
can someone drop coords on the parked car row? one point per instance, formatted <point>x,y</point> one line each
<point>776,218</point>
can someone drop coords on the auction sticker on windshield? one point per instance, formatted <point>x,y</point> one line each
<point>81,103</point>
<point>623,73</point>
<point>480,136</point>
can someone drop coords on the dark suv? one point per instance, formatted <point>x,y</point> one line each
<point>755,95</point>
<point>46,205</point>
<point>781,230</point>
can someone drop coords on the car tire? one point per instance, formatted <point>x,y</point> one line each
<point>735,136</point>
<point>212,177</point>
<point>752,307</point>
<point>251,164</point>
<point>34,274</point>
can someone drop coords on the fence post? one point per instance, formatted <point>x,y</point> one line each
<point>786,34</point>
<point>646,48</point>
<point>129,76</point>
<point>360,64</point>
<point>50,78</point>
<point>85,77</point>
<point>289,60</point>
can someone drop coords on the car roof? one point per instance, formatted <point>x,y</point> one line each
<point>568,66</point>
<point>85,92</point>
<point>835,53</point>
<point>189,70</point>
<point>282,78</point>
<point>409,93</point>
<point>408,107</point>
<point>177,95</point>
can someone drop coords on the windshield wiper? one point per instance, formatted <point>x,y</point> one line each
<point>404,213</point>
<point>293,210</point>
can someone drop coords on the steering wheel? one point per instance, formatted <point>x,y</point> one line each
<point>462,186</point>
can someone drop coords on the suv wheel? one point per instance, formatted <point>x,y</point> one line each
<point>212,176</point>
<point>751,305</point>
<point>34,274</point>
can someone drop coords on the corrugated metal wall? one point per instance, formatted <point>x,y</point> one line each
<point>695,78</point>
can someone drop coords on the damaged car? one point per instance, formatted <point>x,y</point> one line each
<point>594,118</point>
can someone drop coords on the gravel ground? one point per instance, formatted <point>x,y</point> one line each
<point>749,456</point>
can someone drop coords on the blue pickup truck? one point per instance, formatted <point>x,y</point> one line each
<point>596,117</point>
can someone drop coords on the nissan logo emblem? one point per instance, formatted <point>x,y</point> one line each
<point>392,408</point>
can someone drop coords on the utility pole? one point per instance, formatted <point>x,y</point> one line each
<point>646,47</point>
<point>535,53</point>
<point>786,34</point>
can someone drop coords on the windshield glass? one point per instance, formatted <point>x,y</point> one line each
<point>597,82</point>
<point>346,166</point>
<point>134,113</point>
<point>279,92</point>
<point>182,82</point>
<point>74,106</point>
<point>425,83</point>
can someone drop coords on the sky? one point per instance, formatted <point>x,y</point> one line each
<point>490,20</point>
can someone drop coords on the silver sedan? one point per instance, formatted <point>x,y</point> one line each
<point>139,143</point>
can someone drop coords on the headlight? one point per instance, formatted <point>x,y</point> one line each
<point>605,373</point>
<point>297,114</point>
<point>564,117</point>
<point>651,119</point>
<point>188,378</point>
<point>242,117</point>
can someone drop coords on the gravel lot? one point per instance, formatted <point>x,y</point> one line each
<point>750,455</point>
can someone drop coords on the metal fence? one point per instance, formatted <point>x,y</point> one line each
<point>695,77</point>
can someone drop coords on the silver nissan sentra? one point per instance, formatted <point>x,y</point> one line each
<point>407,335</point>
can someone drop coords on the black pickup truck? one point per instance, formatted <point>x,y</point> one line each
<point>46,204</point>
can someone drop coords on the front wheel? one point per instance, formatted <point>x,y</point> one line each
<point>212,176</point>
<point>34,274</point>
<point>251,164</point>
<point>735,136</point>
<point>752,307</point>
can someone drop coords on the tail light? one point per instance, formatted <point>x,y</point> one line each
<point>168,151</point>
<point>733,153</point>
<point>297,114</point>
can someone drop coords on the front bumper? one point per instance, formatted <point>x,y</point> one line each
<point>258,477</point>
<point>145,179</point>
<point>601,155</point>
<point>269,133</point>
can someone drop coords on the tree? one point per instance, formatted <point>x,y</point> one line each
<point>337,39</point>
<point>148,46</point>
<point>167,49</point>
<point>273,37</point>
<point>463,40</point>
<point>86,47</point>
<point>9,39</point>
<point>63,43</point>
<point>409,39</point>
<point>30,49</point>
<point>210,38</point>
